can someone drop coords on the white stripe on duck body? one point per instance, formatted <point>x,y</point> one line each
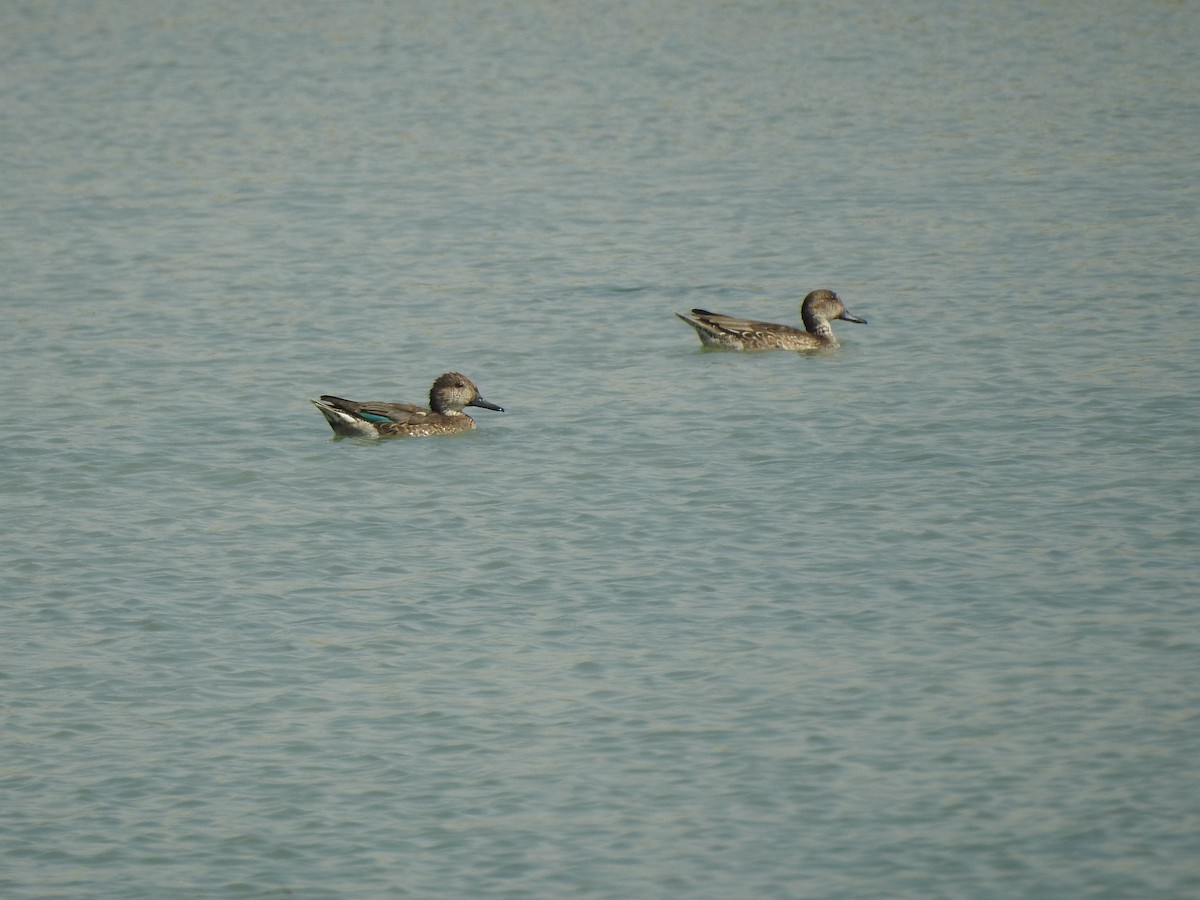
<point>444,415</point>
<point>731,333</point>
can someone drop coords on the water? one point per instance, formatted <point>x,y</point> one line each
<point>916,618</point>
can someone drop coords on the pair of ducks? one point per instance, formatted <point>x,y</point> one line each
<point>453,392</point>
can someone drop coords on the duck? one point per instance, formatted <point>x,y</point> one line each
<point>731,333</point>
<point>372,419</point>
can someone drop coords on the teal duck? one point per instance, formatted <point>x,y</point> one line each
<point>730,333</point>
<point>444,415</point>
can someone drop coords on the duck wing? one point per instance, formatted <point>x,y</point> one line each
<point>379,411</point>
<point>733,326</point>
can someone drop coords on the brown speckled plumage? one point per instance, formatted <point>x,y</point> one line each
<point>444,415</point>
<point>730,333</point>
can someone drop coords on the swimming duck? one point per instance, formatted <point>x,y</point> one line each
<point>729,333</point>
<point>444,415</point>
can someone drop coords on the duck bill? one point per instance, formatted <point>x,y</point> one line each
<point>852,318</point>
<point>483,404</point>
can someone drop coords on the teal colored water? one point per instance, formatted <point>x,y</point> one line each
<point>915,618</point>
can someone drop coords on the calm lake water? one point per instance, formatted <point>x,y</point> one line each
<point>915,618</point>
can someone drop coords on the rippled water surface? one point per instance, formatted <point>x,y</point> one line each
<point>912,618</point>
